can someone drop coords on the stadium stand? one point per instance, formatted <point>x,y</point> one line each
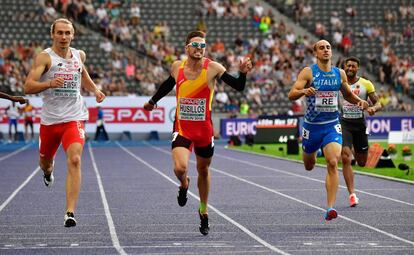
<point>130,44</point>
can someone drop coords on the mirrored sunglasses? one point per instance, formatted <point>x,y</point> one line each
<point>197,44</point>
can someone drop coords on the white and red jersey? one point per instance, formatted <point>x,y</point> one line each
<point>64,104</point>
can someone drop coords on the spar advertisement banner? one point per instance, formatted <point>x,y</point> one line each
<point>120,114</point>
<point>378,127</point>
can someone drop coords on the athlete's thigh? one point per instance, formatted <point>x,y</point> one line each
<point>332,150</point>
<point>332,134</point>
<point>360,141</point>
<point>181,156</point>
<point>73,132</point>
<point>203,163</point>
<point>204,147</point>
<point>50,137</point>
<point>311,138</point>
<point>347,136</point>
<point>181,150</point>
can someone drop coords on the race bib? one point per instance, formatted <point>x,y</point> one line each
<point>352,111</point>
<point>326,101</point>
<point>71,85</point>
<point>193,109</point>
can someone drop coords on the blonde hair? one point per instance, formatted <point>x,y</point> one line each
<point>61,20</point>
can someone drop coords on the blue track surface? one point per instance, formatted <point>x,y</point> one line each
<point>258,205</point>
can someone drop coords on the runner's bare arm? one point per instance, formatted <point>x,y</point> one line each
<point>40,65</point>
<point>19,99</point>
<point>376,103</point>
<point>298,89</point>
<point>88,83</point>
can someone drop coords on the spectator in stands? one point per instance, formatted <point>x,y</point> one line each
<point>221,97</point>
<point>384,98</point>
<point>135,14</point>
<point>106,45</point>
<point>254,94</point>
<point>244,107</point>
<point>350,10</point>
<point>346,43</point>
<point>320,30</point>
<point>49,13</point>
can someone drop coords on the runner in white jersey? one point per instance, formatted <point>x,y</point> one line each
<point>58,73</point>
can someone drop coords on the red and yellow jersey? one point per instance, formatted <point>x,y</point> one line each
<point>194,101</point>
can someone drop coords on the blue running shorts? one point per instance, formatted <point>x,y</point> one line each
<point>315,136</point>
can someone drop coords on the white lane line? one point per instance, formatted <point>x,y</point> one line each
<point>15,152</point>
<point>112,230</point>
<point>244,229</point>
<point>10,198</point>
<point>309,178</point>
<point>299,201</point>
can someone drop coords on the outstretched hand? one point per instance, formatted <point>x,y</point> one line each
<point>363,104</point>
<point>246,65</point>
<point>19,99</point>
<point>148,106</point>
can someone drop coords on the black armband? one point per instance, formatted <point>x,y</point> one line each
<point>236,83</point>
<point>163,90</point>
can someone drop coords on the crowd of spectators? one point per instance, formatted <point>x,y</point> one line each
<point>278,57</point>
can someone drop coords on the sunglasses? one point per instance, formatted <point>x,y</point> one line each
<point>197,44</point>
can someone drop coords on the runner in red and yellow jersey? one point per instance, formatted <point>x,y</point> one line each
<point>195,79</point>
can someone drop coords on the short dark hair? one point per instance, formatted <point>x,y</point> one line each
<point>353,59</point>
<point>193,34</point>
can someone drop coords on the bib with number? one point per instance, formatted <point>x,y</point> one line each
<point>193,109</point>
<point>326,101</point>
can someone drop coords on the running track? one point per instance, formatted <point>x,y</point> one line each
<point>258,205</point>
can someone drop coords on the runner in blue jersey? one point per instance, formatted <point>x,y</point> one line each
<point>321,84</point>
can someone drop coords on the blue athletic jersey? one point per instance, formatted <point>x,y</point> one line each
<point>323,106</point>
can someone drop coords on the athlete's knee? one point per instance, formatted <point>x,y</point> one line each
<point>203,171</point>
<point>362,162</point>
<point>309,164</point>
<point>180,168</point>
<point>361,158</point>
<point>74,160</point>
<point>332,162</point>
<point>346,158</point>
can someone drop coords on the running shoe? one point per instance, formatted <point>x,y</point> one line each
<point>48,179</point>
<point>330,214</point>
<point>353,200</point>
<point>182,194</point>
<point>204,226</point>
<point>69,220</point>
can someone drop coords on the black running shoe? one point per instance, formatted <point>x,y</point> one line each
<point>48,179</point>
<point>204,227</point>
<point>182,194</point>
<point>69,220</point>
